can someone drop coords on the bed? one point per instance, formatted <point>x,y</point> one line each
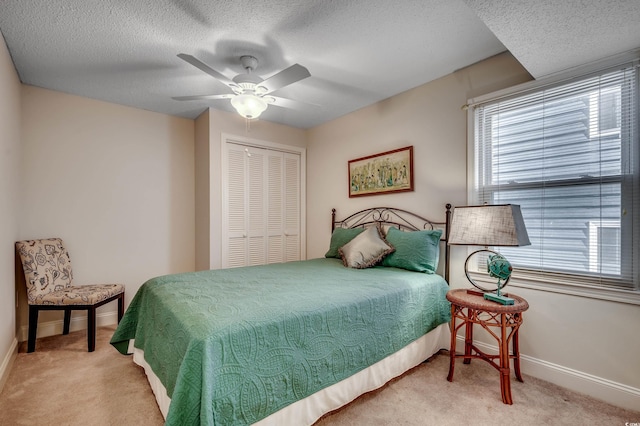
<point>287,343</point>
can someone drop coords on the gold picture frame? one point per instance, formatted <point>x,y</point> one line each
<point>384,173</point>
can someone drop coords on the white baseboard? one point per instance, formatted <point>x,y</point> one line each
<point>614,393</point>
<point>7,363</point>
<point>51,328</point>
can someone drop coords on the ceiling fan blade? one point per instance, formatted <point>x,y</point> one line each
<point>289,103</point>
<point>285,77</point>
<point>206,68</point>
<point>203,97</point>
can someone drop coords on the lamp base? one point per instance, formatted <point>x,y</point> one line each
<point>499,299</point>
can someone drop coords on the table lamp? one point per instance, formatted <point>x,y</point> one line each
<point>490,226</point>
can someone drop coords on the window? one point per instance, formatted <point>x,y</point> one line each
<point>604,246</point>
<point>568,154</point>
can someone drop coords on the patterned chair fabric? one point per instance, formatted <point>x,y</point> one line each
<point>47,270</point>
<point>48,275</point>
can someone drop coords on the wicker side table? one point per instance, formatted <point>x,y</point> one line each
<point>469,309</point>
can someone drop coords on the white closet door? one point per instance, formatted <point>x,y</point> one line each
<point>234,250</point>
<point>275,216</point>
<point>292,207</point>
<point>261,218</point>
<point>257,203</point>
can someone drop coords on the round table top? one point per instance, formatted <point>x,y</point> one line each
<point>460,297</point>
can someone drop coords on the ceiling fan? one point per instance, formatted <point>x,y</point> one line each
<point>251,94</point>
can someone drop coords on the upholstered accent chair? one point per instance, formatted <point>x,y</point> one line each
<point>48,275</point>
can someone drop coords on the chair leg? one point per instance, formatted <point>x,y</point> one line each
<point>67,321</point>
<point>91,329</point>
<point>120,307</point>
<point>33,326</point>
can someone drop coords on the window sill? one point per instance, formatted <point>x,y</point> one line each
<point>563,284</point>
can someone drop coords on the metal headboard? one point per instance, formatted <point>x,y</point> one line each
<point>401,219</point>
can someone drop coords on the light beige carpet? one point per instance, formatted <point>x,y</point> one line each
<point>62,384</point>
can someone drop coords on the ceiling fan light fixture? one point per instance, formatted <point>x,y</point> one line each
<point>250,96</point>
<point>249,106</point>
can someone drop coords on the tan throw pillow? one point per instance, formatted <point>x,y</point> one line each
<point>365,250</point>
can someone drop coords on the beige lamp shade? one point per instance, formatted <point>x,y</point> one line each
<point>488,225</point>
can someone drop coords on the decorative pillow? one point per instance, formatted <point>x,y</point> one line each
<point>415,250</point>
<point>340,237</point>
<point>365,250</point>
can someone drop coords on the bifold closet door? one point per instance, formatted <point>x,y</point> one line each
<point>283,207</point>
<point>292,210</point>
<point>261,223</point>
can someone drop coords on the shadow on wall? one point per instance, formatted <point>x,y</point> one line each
<point>480,78</point>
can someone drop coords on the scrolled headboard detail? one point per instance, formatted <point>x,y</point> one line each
<point>399,218</point>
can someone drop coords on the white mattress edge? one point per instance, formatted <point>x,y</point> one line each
<point>157,387</point>
<point>309,410</point>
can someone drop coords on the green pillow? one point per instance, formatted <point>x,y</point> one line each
<point>415,250</point>
<point>340,237</point>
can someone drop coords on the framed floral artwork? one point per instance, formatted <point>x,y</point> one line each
<point>383,173</point>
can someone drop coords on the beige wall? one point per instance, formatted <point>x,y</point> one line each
<point>585,344</point>
<point>209,140</point>
<point>116,183</point>
<point>428,117</point>
<point>10,153</point>
<point>202,192</point>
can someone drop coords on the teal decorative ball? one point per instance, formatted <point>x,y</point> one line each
<point>499,267</point>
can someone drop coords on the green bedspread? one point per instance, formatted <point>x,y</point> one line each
<point>232,346</point>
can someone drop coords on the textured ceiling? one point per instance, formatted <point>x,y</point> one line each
<point>358,51</point>
<point>548,36</point>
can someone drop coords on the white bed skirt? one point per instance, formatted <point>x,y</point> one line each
<point>307,411</point>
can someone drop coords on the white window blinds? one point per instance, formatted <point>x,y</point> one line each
<point>569,156</point>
